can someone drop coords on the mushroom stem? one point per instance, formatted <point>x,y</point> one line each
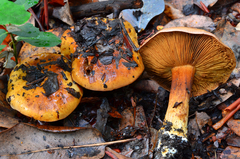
<point>173,134</point>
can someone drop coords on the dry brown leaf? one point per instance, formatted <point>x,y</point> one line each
<point>127,119</point>
<point>234,125</point>
<point>63,13</point>
<point>172,12</point>
<point>7,121</point>
<point>140,118</point>
<point>229,36</point>
<point>193,129</point>
<point>233,140</point>
<point>153,141</point>
<point>179,4</point>
<point>230,153</point>
<point>22,138</point>
<point>194,21</point>
<point>202,119</point>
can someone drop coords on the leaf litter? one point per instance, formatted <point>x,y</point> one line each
<point>114,115</point>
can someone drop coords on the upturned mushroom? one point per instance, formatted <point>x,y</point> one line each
<point>105,54</point>
<point>41,87</point>
<point>188,62</point>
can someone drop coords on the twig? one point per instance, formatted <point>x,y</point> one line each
<point>79,146</point>
<point>233,105</point>
<point>202,6</point>
<point>35,17</point>
<point>128,38</point>
<point>104,7</point>
<point>225,119</point>
<point>46,12</point>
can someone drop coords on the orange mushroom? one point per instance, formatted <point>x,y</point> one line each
<point>105,57</point>
<point>188,62</point>
<point>41,87</point>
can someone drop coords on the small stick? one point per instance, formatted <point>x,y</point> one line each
<point>211,135</point>
<point>46,12</point>
<point>35,17</point>
<point>225,119</point>
<point>128,38</point>
<point>79,146</point>
<point>233,105</point>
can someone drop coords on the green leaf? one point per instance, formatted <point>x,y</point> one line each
<point>3,35</point>
<point>26,30</point>
<point>11,13</point>
<point>27,3</point>
<point>2,46</point>
<point>44,39</point>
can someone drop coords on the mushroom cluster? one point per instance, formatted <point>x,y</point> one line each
<point>104,57</point>
<point>188,62</point>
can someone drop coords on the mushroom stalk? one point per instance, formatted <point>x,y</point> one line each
<point>173,134</point>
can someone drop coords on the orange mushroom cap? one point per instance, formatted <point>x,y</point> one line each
<point>106,60</point>
<point>171,47</point>
<point>41,87</point>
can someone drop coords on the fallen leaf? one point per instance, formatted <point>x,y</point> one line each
<point>140,118</point>
<point>127,119</point>
<point>153,141</point>
<point>193,129</point>
<point>233,140</point>
<point>102,115</point>
<point>179,4</point>
<point>234,125</point>
<point>202,119</point>
<point>23,138</point>
<point>64,14</point>
<point>230,152</point>
<point>7,121</point>
<point>172,12</point>
<point>194,21</point>
<point>229,36</point>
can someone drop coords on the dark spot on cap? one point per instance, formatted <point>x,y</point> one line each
<point>104,85</point>
<point>69,84</point>
<point>37,96</point>
<point>42,60</point>
<point>64,75</point>
<point>57,114</point>
<point>23,94</point>
<point>133,77</point>
<point>10,80</point>
<point>36,58</point>
<point>9,99</point>
<point>73,92</point>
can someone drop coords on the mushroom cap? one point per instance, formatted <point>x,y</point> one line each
<point>107,61</point>
<point>28,50</point>
<point>41,87</point>
<point>171,47</point>
<point>68,44</point>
